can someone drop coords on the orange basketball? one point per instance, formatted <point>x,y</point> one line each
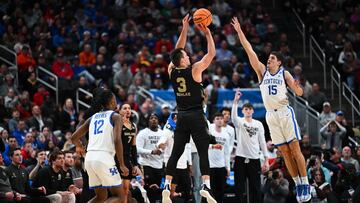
<point>202,16</point>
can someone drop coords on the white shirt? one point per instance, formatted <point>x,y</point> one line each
<point>231,132</point>
<point>273,90</point>
<point>219,158</point>
<point>168,139</point>
<point>146,141</point>
<point>250,136</point>
<point>101,133</point>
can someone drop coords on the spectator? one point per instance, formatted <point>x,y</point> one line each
<point>343,56</point>
<point>305,145</point>
<point>53,179</point>
<point>346,158</point>
<point>40,95</point>
<point>340,118</point>
<point>37,120</point>
<point>68,143</point>
<point>24,105</point>
<point>41,162</point>
<point>350,67</point>
<point>19,180</point>
<point>326,115</point>
<point>31,84</point>
<point>76,171</point>
<point>123,77</point>
<point>306,86</point>
<point>146,78</point>
<point>321,191</point>
<point>8,84</point>
<point>87,57</point>
<point>27,151</point>
<point>315,163</point>
<point>11,145</point>
<point>164,114</point>
<point>317,98</point>
<point>332,134</point>
<point>276,188</point>
<point>81,71</point>
<point>67,116</point>
<point>20,132</point>
<point>101,70</point>
<point>223,54</point>
<point>11,99</point>
<point>13,122</point>
<point>25,62</point>
<point>68,180</point>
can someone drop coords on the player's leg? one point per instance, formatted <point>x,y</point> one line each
<point>240,178</point>
<point>254,171</point>
<point>100,195</point>
<point>117,195</point>
<point>125,190</point>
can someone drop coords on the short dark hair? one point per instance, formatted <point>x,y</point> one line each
<point>279,56</point>
<point>176,56</point>
<point>68,152</point>
<point>11,153</point>
<point>218,114</point>
<point>39,151</point>
<point>247,105</point>
<point>225,109</point>
<point>54,155</point>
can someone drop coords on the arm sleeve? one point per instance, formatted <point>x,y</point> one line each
<point>140,143</point>
<point>323,132</point>
<point>262,141</point>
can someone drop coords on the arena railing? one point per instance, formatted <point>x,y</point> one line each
<point>79,101</point>
<point>353,101</point>
<point>55,86</point>
<point>300,25</point>
<point>8,57</point>
<point>335,78</point>
<point>307,118</point>
<point>317,51</point>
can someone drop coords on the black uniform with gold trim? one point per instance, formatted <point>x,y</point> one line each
<point>191,119</point>
<point>130,157</point>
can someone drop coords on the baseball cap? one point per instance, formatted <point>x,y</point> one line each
<point>86,32</point>
<point>339,113</point>
<point>215,77</point>
<point>326,104</point>
<point>104,34</point>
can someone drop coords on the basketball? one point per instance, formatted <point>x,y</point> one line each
<point>202,16</point>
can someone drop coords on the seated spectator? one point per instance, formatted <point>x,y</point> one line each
<point>62,68</point>
<point>68,180</point>
<point>25,62</point>
<point>348,49</point>
<point>347,158</point>
<point>321,190</point>
<point>101,70</point>
<point>41,162</point>
<point>317,98</point>
<point>223,54</point>
<point>53,179</point>
<point>76,171</point>
<point>81,71</point>
<point>305,146</point>
<point>19,180</point>
<point>67,116</point>
<point>37,120</point>
<point>40,95</point>
<point>13,122</point>
<point>349,69</point>
<point>9,146</point>
<point>307,87</point>
<point>332,135</point>
<point>20,132</point>
<point>315,163</point>
<point>68,145</point>
<point>5,113</point>
<point>326,115</point>
<point>27,152</point>
<point>123,77</point>
<point>24,105</point>
<point>87,57</point>
<point>8,84</point>
<point>11,99</point>
<point>276,188</point>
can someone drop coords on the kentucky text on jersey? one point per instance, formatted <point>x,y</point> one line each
<point>273,81</point>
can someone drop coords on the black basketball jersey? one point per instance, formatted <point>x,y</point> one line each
<point>189,93</point>
<point>127,136</point>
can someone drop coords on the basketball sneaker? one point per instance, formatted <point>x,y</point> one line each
<point>206,193</point>
<point>306,195</point>
<point>166,194</point>
<point>299,192</point>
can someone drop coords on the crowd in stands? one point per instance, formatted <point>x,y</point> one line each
<point>336,26</point>
<point>125,45</point>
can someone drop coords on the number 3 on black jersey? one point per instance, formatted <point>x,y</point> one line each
<point>182,84</point>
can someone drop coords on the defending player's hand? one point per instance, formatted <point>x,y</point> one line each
<point>124,170</point>
<point>185,21</point>
<point>237,96</point>
<point>235,23</point>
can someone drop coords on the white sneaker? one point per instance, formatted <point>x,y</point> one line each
<point>166,194</point>
<point>206,192</point>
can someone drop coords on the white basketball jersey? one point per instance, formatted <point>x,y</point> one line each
<point>273,90</point>
<point>101,133</point>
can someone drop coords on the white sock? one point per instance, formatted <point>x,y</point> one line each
<point>297,180</point>
<point>207,183</point>
<point>167,182</point>
<point>304,180</point>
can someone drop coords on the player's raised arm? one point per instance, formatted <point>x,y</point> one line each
<point>293,84</point>
<point>183,35</point>
<point>254,61</point>
<point>204,63</point>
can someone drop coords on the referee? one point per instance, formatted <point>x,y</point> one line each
<point>247,156</point>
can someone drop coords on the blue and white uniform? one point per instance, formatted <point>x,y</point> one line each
<point>99,160</point>
<point>280,117</point>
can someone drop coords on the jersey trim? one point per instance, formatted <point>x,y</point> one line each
<point>280,68</point>
<point>263,76</point>
<point>277,145</point>
<point>100,186</point>
<point>285,79</point>
<point>111,121</point>
<point>294,123</point>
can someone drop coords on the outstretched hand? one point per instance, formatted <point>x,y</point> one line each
<point>235,23</point>
<point>237,96</point>
<point>185,21</point>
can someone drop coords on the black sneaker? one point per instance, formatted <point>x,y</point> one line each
<point>206,192</point>
<point>166,194</point>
